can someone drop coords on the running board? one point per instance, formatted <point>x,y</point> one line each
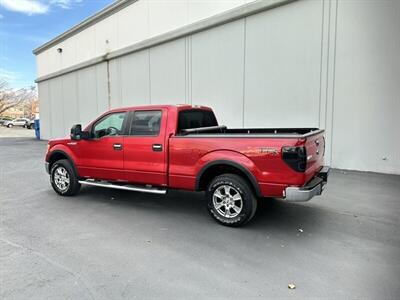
<point>126,187</point>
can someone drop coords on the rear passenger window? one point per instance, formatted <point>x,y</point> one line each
<point>145,123</point>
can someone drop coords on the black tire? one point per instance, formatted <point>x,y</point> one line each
<point>10,125</point>
<point>73,186</point>
<point>235,185</point>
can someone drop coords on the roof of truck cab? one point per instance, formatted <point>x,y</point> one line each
<point>177,107</point>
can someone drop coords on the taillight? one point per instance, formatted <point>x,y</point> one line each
<point>295,157</point>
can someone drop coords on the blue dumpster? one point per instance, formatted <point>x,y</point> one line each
<point>37,129</point>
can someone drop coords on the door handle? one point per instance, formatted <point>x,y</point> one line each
<point>117,147</point>
<point>157,147</point>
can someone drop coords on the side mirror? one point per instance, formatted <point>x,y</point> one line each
<point>78,134</point>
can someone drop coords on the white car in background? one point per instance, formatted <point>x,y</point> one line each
<point>17,122</point>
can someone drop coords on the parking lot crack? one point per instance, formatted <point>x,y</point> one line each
<point>53,263</point>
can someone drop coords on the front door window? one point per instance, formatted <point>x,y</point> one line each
<point>110,125</point>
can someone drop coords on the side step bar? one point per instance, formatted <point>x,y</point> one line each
<point>126,187</point>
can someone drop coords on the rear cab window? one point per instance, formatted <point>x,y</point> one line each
<point>196,118</point>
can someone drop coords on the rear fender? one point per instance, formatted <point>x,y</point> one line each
<point>230,158</point>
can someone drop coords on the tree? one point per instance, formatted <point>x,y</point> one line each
<point>10,98</point>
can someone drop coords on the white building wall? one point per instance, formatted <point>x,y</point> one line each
<point>141,20</point>
<point>44,108</point>
<point>76,97</point>
<point>282,68</point>
<point>92,93</point>
<point>167,73</point>
<point>130,78</point>
<point>366,112</point>
<point>326,64</point>
<point>57,106</point>
<point>217,61</point>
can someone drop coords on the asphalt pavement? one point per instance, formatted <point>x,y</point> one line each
<point>110,244</point>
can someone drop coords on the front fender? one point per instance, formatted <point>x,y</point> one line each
<point>60,148</point>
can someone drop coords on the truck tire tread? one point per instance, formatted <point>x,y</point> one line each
<point>74,185</point>
<point>249,200</point>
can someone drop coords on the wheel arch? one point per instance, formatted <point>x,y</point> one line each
<point>222,166</point>
<point>58,155</point>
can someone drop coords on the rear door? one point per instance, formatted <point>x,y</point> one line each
<point>145,149</point>
<point>102,156</point>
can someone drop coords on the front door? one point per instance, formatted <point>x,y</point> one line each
<point>144,148</point>
<point>103,154</point>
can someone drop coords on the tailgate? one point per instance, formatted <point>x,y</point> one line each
<point>315,150</point>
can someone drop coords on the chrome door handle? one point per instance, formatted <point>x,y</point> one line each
<point>117,147</point>
<point>157,147</point>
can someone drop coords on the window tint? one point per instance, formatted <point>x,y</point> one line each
<point>195,119</point>
<point>145,123</point>
<point>110,125</point>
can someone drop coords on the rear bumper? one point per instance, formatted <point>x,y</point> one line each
<point>311,189</point>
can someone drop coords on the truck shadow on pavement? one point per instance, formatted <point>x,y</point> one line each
<point>191,207</point>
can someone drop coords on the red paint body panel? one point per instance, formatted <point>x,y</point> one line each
<point>183,158</point>
<point>189,154</point>
<point>142,164</point>
<point>98,159</point>
<point>61,145</point>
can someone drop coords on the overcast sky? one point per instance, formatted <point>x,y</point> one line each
<point>27,24</point>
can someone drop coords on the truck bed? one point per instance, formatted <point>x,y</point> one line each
<point>258,149</point>
<point>223,131</point>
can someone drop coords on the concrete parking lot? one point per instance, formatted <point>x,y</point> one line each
<point>16,132</point>
<point>109,244</point>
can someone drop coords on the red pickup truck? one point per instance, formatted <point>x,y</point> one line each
<point>159,147</point>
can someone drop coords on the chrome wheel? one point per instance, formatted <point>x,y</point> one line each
<point>61,178</point>
<point>227,201</point>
